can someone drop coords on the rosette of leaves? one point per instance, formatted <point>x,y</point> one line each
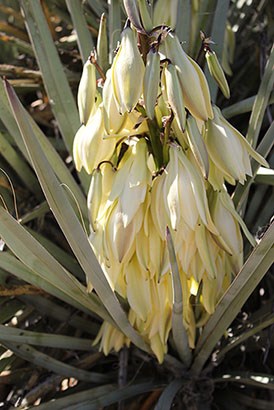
<point>48,320</point>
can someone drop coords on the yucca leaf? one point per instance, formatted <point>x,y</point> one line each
<point>229,306</point>
<point>41,269</point>
<point>67,260</point>
<point>63,314</point>
<point>183,20</point>
<point>201,15</point>
<point>8,120</point>
<point>263,380</point>
<point>14,335</point>
<point>242,107</point>
<point>60,95</point>
<point>97,6</point>
<point>168,395</point>
<point>114,26</point>
<point>241,192</point>
<point>78,398</point>
<point>54,159</point>
<point>118,395</point>
<point>32,355</point>
<point>265,176</point>
<point>261,102</point>
<point>239,339</point>
<point>70,224</point>
<point>20,166</point>
<point>38,212</point>
<point>217,34</point>
<point>84,38</point>
<point>260,207</point>
<point>58,341</point>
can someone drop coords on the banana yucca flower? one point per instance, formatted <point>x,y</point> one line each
<point>127,72</point>
<point>131,180</point>
<point>89,146</point>
<point>192,79</point>
<point>117,124</point>
<point>86,92</point>
<point>184,193</point>
<point>147,176</point>
<point>131,246</point>
<point>230,235</point>
<point>151,82</point>
<point>110,338</point>
<point>121,215</point>
<point>229,152</point>
<point>173,95</point>
<point>113,120</point>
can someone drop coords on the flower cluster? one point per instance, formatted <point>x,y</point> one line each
<point>159,154</point>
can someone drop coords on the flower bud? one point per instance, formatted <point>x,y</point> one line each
<point>151,82</point>
<point>89,146</point>
<point>229,150</point>
<point>173,94</point>
<point>86,92</point>
<point>127,72</point>
<point>113,120</point>
<point>217,73</point>
<point>226,224</point>
<point>184,193</point>
<point>94,196</point>
<point>197,145</point>
<point>192,80</point>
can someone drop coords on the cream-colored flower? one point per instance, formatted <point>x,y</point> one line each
<point>229,151</point>
<point>127,72</point>
<point>184,193</point>
<point>86,92</point>
<point>89,146</point>
<point>151,82</point>
<point>193,82</point>
<point>131,180</point>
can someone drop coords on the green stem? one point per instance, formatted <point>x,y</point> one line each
<point>166,138</point>
<point>155,143</point>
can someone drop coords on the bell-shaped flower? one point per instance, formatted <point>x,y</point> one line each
<point>229,151</point>
<point>117,124</point>
<point>192,79</point>
<point>184,192</point>
<point>119,237</point>
<point>127,72</point>
<point>110,339</point>
<point>89,146</point>
<point>138,289</point>
<point>159,214</point>
<point>113,120</point>
<point>131,181</point>
<point>87,92</point>
<point>151,250</point>
<point>230,235</point>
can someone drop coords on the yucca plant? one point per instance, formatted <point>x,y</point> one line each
<point>125,280</point>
